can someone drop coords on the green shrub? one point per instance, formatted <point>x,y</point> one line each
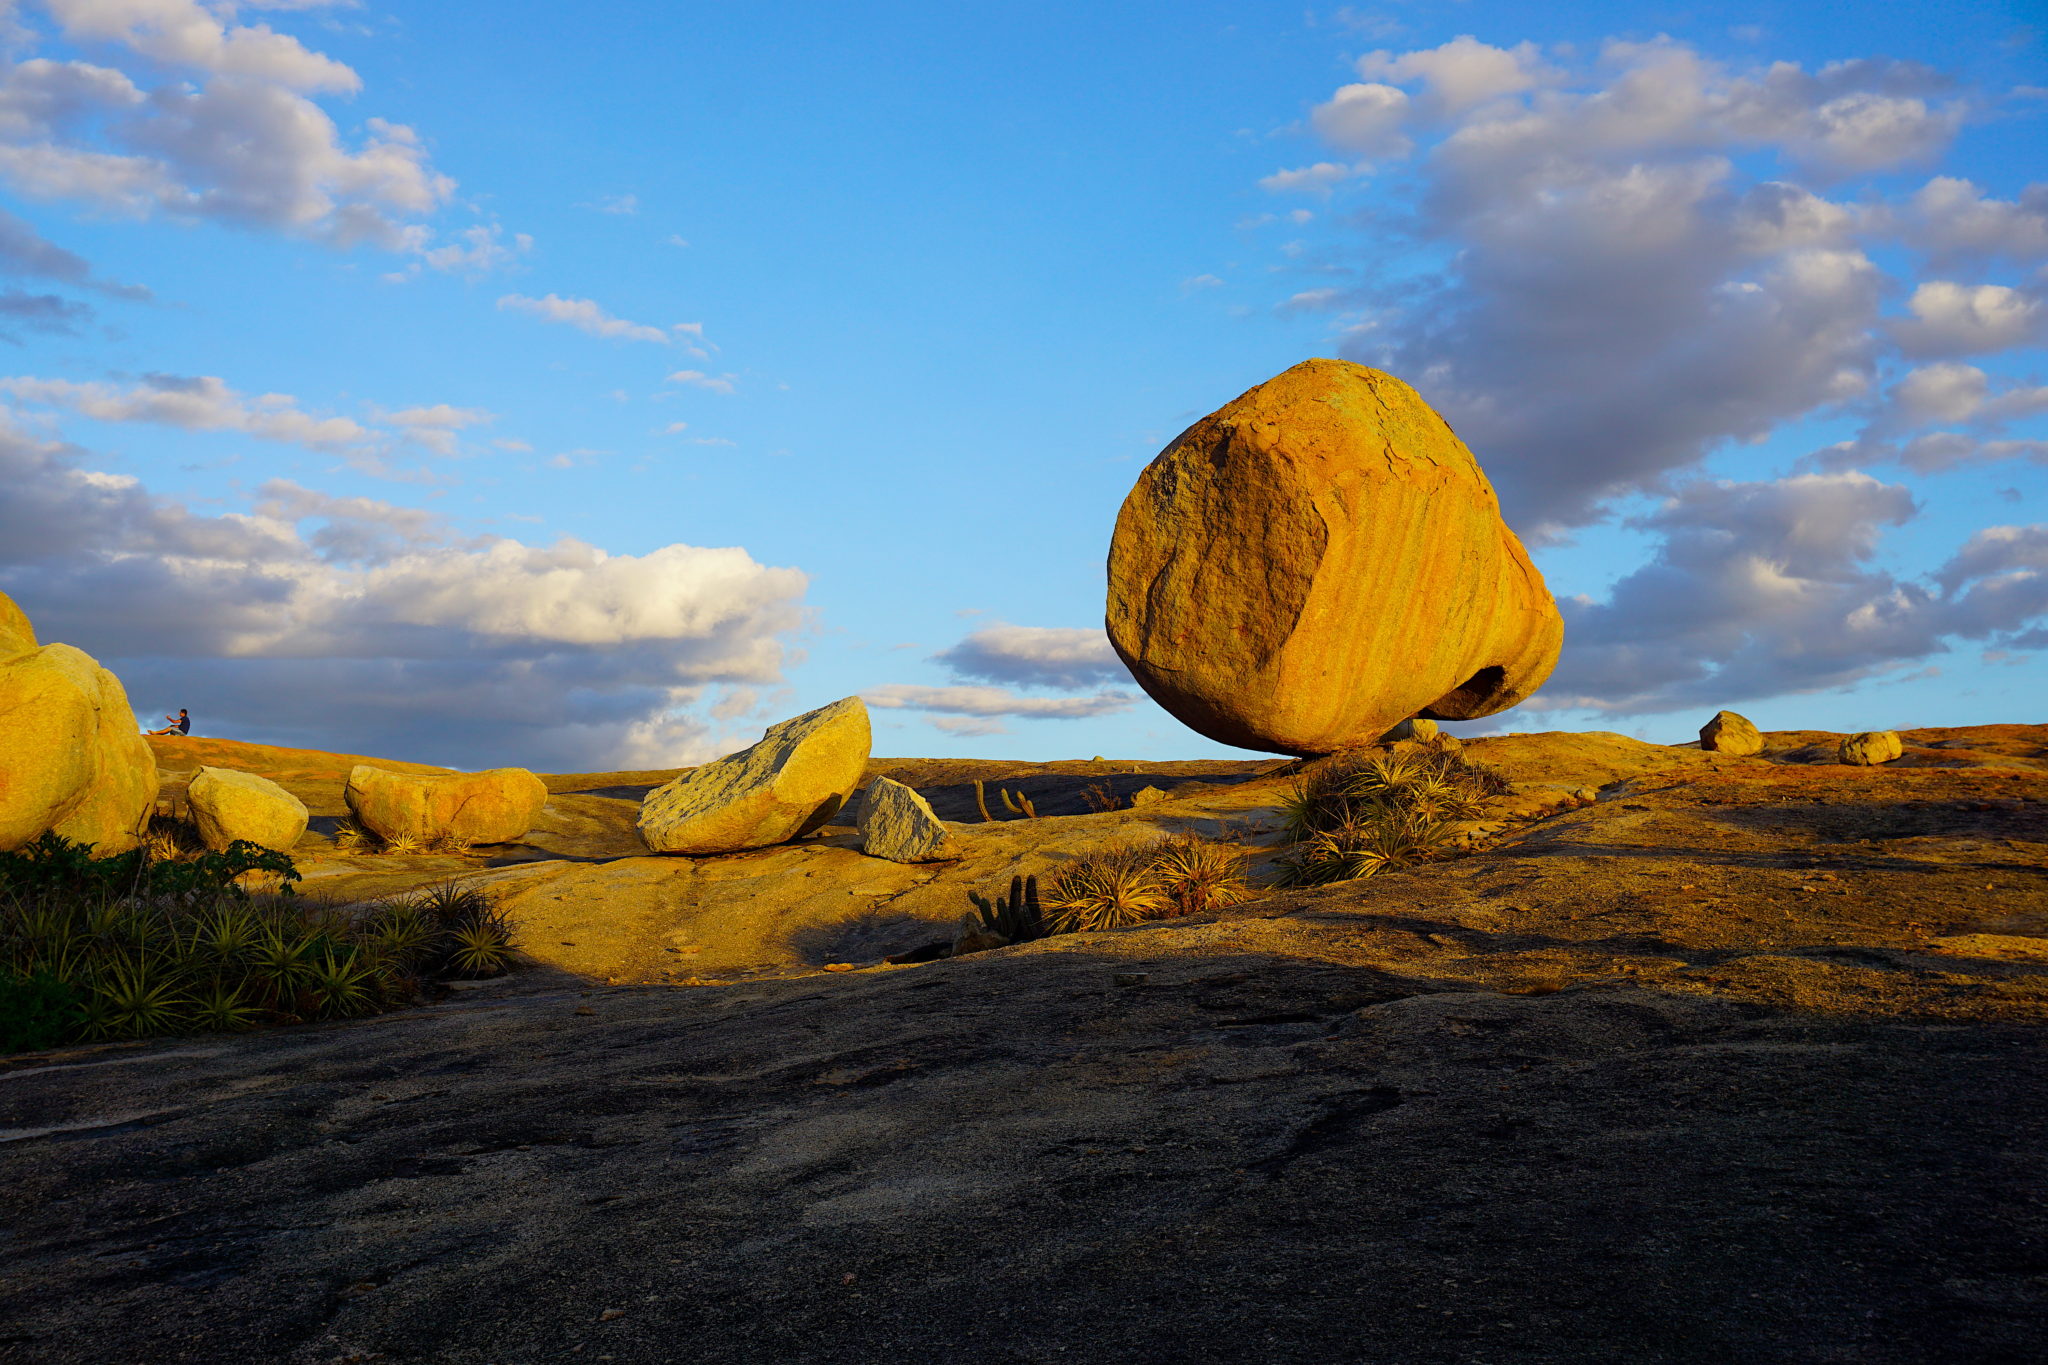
<point>132,947</point>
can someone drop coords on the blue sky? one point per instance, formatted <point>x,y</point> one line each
<point>490,385</point>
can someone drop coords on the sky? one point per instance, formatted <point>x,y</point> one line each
<point>527,384</point>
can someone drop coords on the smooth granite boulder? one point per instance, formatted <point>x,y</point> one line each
<point>492,807</point>
<point>1319,559</point>
<point>795,780</point>
<point>898,824</point>
<point>1729,733</point>
<point>1871,748</point>
<point>227,805</point>
<point>71,760</point>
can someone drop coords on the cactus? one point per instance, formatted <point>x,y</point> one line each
<point>1018,803</point>
<point>1017,916</point>
<point>981,800</point>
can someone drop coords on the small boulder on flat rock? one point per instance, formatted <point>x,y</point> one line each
<point>1871,748</point>
<point>1732,734</point>
<point>71,760</point>
<point>227,805</point>
<point>794,781</point>
<point>1415,727</point>
<point>492,807</point>
<point>1146,796</point>
<point>898,824</point>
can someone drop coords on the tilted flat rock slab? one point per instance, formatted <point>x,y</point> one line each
<point>792,782</point>
<point>227,805</point>
<point>1319,559</point>
<point>71,761</point>
<point>492,807</point>
<point>898,824</point>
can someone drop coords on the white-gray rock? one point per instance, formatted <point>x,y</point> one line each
<point>898,824</point>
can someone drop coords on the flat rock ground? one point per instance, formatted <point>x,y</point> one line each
<point>1742,1062</point>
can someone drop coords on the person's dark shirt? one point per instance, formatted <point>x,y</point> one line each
<point>184,724</point>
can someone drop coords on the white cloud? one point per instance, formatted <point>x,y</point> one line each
<point>1036,656</point>
<point>1362,119</point>
<point>1953,220</point>
<point>437,427</point>
<point>1598,288</point>
<point>1965,319</point>
<point>196,403</point>
<point>1460,74</point>
<point>355,625</point>
<point>182,33</point>
<point>617,204</point>
<point>697,379</point>
<point>967,727</point>
<point>994,701</point>
<point>585,315</point>
<point>1316,179</point>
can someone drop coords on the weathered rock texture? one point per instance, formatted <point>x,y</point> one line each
<point>898,824</point>
<point>1412,729</point>
<point>1319,559</point>
<point>792,782</point>
<point>1871,748</point>
<point>71,761</point>
<point>492,807</point>
<point>1729,733</point>
<point>227,805</point>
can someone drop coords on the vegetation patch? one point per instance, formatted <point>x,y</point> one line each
<point>1354,816</point>
<point>135,946</point>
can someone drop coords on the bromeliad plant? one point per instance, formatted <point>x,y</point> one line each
<point>130,946</point>
<point>1352,818</point>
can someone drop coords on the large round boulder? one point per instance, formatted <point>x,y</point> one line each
<point>1729,732</point>
<point>72,762</point>
<point>1319,559</point>
<point>492,807</point>
<point>794,781</point>
<point>228,804</point>
<point>1871,749</point>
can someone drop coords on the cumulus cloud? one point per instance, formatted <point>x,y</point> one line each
<point>1364,119</point>
<point>1762,588</point>
<point>586,316</point>
<point>1067,657</point>
<point>236,137</point>
<point>995,701</point>
<point>1615,267</point>
<point>353,624</point>
<point>1961,319</point>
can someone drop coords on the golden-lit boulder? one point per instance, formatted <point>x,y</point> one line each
<point>1731,733</point>
<point>227,805</point>
<point>492,807</point>
<point>793,781</point>
<point>1319,559</point>
<point>898,824</point>
<point>1871,748</point>
<point>71,760</point>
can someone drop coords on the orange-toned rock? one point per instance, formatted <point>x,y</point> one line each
<point>71,761</point>
<point>1319,559</point>
<point>491,807</point>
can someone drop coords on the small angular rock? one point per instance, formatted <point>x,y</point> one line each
<point>228,805</point>
<point>492,807</point>
<point>1732,734</point>
<point>1415,727</point>
<point>792,782</point>
<point>898,824</point>
<point>1871,748</point>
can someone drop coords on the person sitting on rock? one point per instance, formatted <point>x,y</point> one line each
<point>180,724</point>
